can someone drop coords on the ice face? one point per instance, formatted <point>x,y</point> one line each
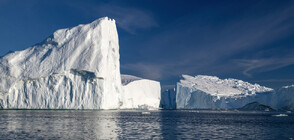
<point>67,90</point>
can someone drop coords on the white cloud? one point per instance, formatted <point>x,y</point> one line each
<point>262,65</point>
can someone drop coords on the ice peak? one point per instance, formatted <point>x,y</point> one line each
<point>103,19</point>
<point>84,31</point>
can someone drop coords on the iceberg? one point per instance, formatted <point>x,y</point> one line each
<point>140,93</point>
<point>74,68</point>
<point>210,92</point>
<point>65,71</point>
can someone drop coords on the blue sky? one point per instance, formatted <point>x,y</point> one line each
<point>160,40</point>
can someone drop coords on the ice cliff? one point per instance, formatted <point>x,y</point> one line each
<point>75,68</point>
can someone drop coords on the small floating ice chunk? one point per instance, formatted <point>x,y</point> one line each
<point>146,113</point>
<point>280,115</point>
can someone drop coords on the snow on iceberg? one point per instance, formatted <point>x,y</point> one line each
<point>140,93</point>
<point>75,68</point>
<point>210,92</point>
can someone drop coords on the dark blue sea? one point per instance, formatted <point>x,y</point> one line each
<point>162,124</point>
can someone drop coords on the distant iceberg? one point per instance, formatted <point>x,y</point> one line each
<point>210,92</point>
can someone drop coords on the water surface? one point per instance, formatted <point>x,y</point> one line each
<point>165,124</point>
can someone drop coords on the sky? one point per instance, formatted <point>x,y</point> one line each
<point>251,40</point>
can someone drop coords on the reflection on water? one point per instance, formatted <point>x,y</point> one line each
<point>89,124</point>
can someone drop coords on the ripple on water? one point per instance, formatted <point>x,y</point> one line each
<point>168,124</point>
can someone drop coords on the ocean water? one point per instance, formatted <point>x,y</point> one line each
<point>131,124</point>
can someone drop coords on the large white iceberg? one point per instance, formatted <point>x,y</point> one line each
<point>75,68</point>
<point>210,92</point>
